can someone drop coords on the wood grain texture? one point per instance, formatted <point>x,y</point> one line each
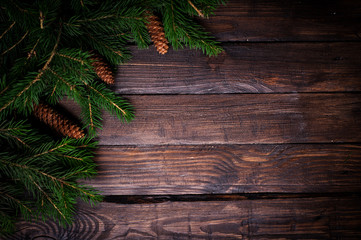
<point>274,20</point>
<point>176,170</point>
<point>244,68</point>
<point>202,128</point>
<point>299,218</point>
<point>237,119</point>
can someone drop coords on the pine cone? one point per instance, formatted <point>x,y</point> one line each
<point>102,69</point>
<point>156,32</point>
<point>57,121</point>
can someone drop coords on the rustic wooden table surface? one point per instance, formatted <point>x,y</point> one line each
<point>261,142</point>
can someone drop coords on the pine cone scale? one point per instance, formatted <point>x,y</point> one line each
<point>102,69</point>
<point>156,32</point>
<point>57,121</point>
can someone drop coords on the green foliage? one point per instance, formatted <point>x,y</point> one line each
<point>46,50</point>
<point>180,30</point>
<point>38,175</point>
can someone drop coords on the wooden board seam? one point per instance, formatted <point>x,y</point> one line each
<point>147,199</point>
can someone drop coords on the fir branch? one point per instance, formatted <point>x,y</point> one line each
<point>8,129</point>
<point>15,137</point>
<point>47,197</point>
<point>72,87</point>
<point>195,8</point>
<point>135,18</point>
<point>6,223</point>
<point>17,43</point>
<point>90,115</point>
<point>72,24</point>
<point>63,195</point>
<point>52,93</point>
<point>32,51</point>
<point>111,47</point>
<point>79,189</point>
<point>74,173</point>
<point>27,167</point>
<point>71,58</point>
<point>3,194</point>
<point>19,8</point>
<point>8,29</point>
<point>73,91</point>
<point>49,151</point>
<point>106,46</point>
<point>95,19</point>
<point>106,99</point>
<point>41,18</point>
<point>54,179</point>
<point>67,156</point>
<point>21,132</point>
<point>58,63</point>
<point>4,90</point>
<point>15,131</point>
<point>180,29</point>
<point>38,77</point>
<point>24,90</point>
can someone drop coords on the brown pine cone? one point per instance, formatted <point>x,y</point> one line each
<point>156,32</point>
<point>102,69</point>
<point>49,116</point>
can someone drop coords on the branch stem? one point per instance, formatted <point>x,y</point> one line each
<point>195,8</point>
<point>38,77</point>
<point>49,151</point>
<point>17,43</point>
<point>110,101</point>
<point>47,175</point>
<point>47,196</point>
<point>8,29</point>
<point>14,199</point>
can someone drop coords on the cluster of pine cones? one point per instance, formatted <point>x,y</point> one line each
<point>48,115</point>
<point>65,126</point>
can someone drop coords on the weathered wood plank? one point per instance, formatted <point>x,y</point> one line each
<point>275,20</point>
<point>238,119</point>
<point>299,218</point>
<point>245,68</point>
<point>169,170</point>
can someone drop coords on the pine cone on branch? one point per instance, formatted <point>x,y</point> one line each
<point>102,69</point>
<point>58,122</point>
<point>156,32</point>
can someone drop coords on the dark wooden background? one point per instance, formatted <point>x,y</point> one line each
<point>261,142</point>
